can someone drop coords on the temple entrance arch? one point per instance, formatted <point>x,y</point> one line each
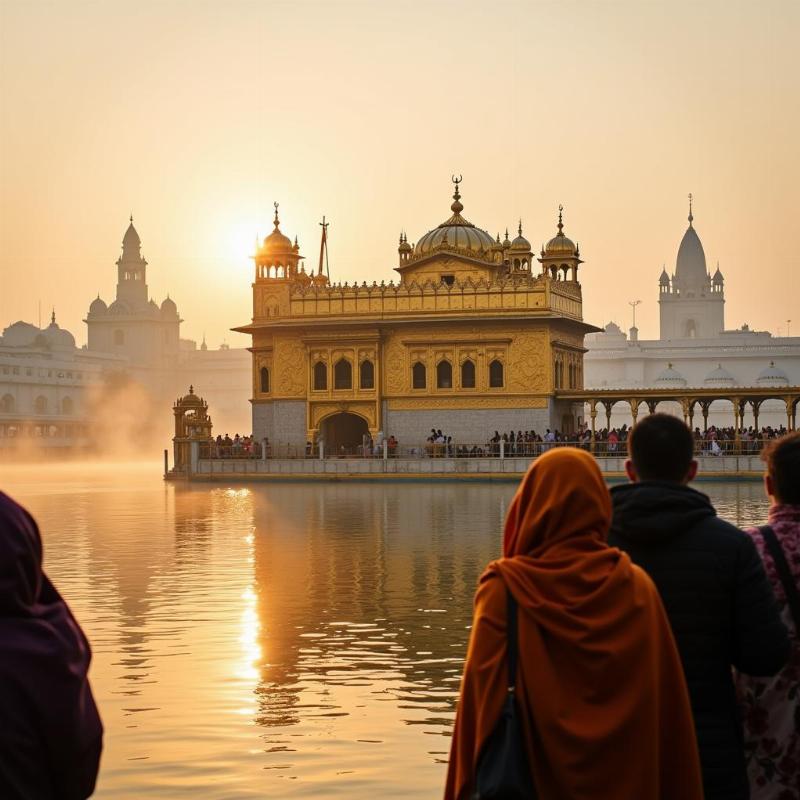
<point>343,433</point>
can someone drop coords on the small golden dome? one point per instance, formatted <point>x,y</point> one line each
<point>560,245</point>
<point>276,242</point>
<point>520,242</point>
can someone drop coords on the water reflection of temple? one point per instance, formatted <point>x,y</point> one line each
<point>368,588</point>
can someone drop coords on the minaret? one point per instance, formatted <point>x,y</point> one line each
<point>132,271</point>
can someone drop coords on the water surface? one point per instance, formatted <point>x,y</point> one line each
<point>294,640</point>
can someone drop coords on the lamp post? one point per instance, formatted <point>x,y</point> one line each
<point>633,304</point>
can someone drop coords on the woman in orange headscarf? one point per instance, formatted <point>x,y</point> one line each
<point>604,707</point>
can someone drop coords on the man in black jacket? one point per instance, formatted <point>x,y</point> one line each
<point>713,586</point>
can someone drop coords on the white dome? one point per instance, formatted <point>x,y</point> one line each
<point>613,328</point>
<point>20,334</point>
<point>168,308</point>
<point>58,338</point>
<point>98,306</point>
<point>719,377</point>
<point>772,376</point>
<point>670,377</point>
<point>119,307</point>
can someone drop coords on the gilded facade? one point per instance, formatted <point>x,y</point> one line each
<point>474,336</point>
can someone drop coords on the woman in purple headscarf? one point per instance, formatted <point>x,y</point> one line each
<point>50,732</point>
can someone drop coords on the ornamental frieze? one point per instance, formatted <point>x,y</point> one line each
<point>464,403</point>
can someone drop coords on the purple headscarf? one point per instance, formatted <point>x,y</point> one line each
<point>51,734</point>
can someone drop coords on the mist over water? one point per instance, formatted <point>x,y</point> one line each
<point>295,640</point>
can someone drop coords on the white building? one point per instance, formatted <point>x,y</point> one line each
<point>694,349</point>
<point>148,336</point>
<point>54,395</point>
<point>48,387</point>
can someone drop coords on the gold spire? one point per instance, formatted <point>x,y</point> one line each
<point>276,221</point>
<point>457,206</point>
<point>560,222</point>
<point>691,216</point>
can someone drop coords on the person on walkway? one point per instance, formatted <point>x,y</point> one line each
<point>713,585</point>
<point>603,700</point>
<point>771,706</point>
<point>50,731</point>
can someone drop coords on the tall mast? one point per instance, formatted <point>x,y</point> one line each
<point>323,248</point>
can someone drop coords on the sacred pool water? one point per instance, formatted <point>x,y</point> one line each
<point>300,640</point>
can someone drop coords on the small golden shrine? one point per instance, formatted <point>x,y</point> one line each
<point>192,424</point>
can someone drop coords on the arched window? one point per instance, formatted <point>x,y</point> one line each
<point>444,375</point>
<point>264,375</point>
<point>496,374</point>
<point>558,374</point>
<point>320,375</point>
<point>468,375</point>
<point>119,337</point>
<point>41,405</point>
<point>367,377</point>
<point>66,405</point>
<point>7,404</point>
<point>342,374</point>
<point>691,329</point>
<point>418,376</point>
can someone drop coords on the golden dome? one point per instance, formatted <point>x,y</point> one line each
<point>455,233</point>
<point>560,245</point>
<point>520,242</point>
<point>276,242</point>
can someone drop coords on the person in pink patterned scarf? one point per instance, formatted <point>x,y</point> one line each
<point>771,706</point>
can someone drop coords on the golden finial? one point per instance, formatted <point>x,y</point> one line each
<point>691,217</point>
<point>560,223</point>
<point>456,207</point>
<point>519,229</point>
<point>53,317</point>
<point>276,221</point>
<point>191,389</point>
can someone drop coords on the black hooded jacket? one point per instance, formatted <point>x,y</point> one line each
<point>720,605</point>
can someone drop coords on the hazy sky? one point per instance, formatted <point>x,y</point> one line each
<point>195,116</point>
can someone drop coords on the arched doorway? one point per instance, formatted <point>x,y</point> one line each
<point>344,434</point>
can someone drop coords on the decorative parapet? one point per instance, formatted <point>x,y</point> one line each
<point>538,294</point>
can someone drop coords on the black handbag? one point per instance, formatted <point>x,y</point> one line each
<point>503,771</point>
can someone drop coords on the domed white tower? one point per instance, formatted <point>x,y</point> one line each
<point>692,304</point>
<point>133,325</point>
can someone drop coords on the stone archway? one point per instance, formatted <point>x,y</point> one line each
<point>343,433</point>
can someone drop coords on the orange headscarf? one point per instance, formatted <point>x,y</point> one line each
<point>599,681</point>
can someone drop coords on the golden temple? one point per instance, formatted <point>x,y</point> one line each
<point>471,338</point>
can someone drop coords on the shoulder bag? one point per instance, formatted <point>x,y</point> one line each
<point>503,771</point>
<point>784,573</point>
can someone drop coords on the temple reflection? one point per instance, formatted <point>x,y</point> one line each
<point>368,592</point>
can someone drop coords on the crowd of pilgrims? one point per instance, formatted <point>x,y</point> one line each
<point>714,441</point>
<point>238,447</point>
<point>626,644</point>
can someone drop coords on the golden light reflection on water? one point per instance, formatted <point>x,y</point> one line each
<point>251,649</point>
<point>287,641</point>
